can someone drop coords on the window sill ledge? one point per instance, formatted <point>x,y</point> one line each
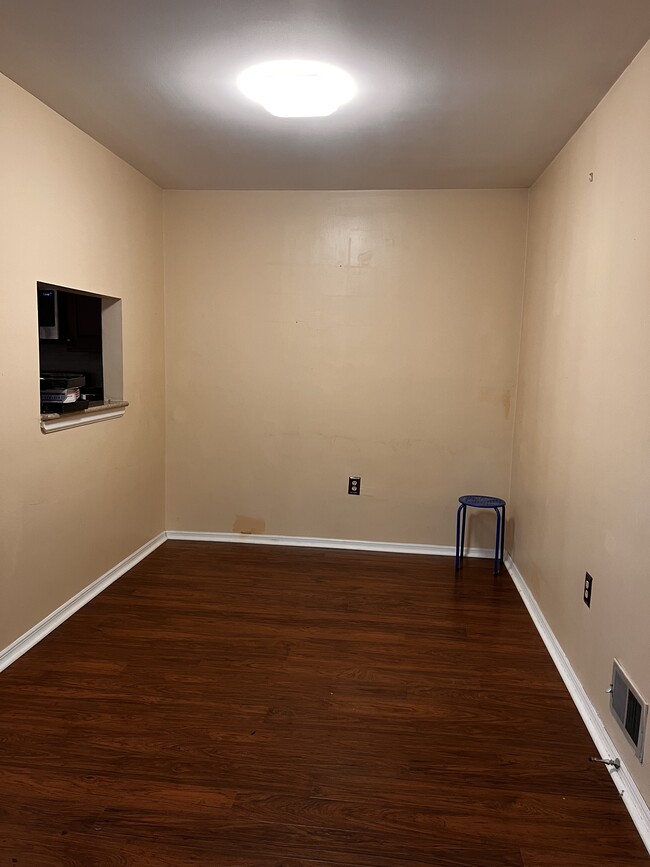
<point>51,422</point>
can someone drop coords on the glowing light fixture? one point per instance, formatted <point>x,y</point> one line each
<point>297,88</point>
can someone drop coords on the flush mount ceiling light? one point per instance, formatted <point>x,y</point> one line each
<point>297,88</point>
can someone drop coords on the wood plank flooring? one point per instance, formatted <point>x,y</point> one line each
<point>257,706</point>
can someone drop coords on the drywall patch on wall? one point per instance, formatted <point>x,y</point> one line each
<point>246,525</point>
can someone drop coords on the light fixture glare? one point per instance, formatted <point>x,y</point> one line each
<point>297,88</point>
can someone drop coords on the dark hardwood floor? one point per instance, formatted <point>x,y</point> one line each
<point>256,706</point>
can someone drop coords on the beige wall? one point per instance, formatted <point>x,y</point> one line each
<point>581,464</point>
<point>73,503</point>
<point>313,336</point>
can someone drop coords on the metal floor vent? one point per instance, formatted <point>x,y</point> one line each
<point>630,710</point>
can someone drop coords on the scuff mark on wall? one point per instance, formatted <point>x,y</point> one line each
<point>365,258</point>
<point>248,526</point>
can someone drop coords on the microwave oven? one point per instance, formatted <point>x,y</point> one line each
<point>48,314</point>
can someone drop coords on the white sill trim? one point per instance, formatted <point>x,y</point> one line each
<point>53,422</point>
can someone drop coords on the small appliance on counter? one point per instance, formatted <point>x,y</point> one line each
<point>61,392</point>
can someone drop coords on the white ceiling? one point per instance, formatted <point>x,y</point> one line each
<point>452,93</point>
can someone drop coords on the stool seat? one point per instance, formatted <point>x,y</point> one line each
<point>478,501</point>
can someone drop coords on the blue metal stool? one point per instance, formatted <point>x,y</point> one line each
<point>478,502</point>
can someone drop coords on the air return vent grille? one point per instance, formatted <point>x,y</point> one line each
<point>630,710</point>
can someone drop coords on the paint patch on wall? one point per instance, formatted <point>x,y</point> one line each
<point>248,526</point>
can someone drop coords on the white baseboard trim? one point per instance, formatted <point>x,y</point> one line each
<point>317,542</point>
<point>48,624</point>
<point>622,779</point>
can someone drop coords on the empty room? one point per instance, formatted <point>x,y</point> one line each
<point>325,451</point>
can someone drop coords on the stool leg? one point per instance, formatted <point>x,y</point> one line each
<point>497,542</point>
<point>458,538</point>
<point>503,530</point>
<point>462,534</point>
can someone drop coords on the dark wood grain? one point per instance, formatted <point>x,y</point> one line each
<point>256,706</point>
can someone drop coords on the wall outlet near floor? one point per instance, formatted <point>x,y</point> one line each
<point>354,485</point>
<point>587,591</point>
